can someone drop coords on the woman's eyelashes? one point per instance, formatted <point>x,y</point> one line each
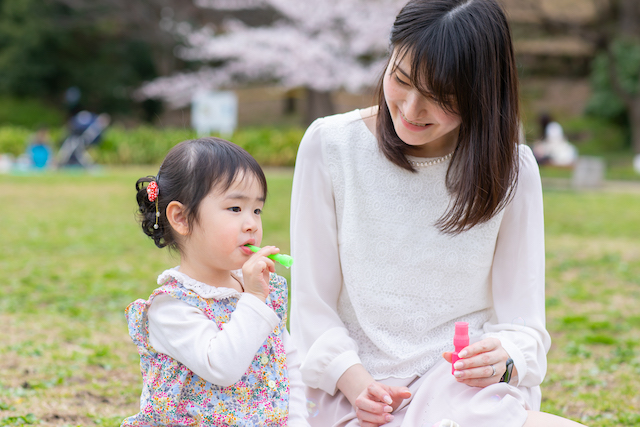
<point>399,80</point>
<point>427,95</point>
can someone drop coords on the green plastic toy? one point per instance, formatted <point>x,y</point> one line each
<point>283,259</point>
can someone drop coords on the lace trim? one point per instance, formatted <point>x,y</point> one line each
<point>202,289</point>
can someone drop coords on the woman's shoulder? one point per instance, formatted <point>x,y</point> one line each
<point>339,132</point>
<point>336,124</point>
<point>527,164</point>
<point>341,119</point>
<point>528,171</point>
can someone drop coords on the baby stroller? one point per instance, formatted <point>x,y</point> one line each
<point>85,129</point>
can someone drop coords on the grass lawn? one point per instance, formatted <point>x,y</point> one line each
<point>73,257</point>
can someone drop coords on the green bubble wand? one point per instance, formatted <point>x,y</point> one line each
<point>283,259</point>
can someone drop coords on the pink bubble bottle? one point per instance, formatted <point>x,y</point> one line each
<point>460,341</point>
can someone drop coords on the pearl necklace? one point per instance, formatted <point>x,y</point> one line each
<point>431,162</point>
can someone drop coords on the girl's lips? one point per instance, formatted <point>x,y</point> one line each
<point>246,250</point>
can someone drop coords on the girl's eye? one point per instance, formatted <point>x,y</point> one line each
<point>257,211</point>
<point>235,209</point>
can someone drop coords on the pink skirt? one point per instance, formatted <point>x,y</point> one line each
<point>435,396</point>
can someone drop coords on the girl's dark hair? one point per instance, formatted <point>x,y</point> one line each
<point>461,55</point>
<point>189,172</point>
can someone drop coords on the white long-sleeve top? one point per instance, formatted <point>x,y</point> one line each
<point>221,357</point>
<point>375,281</point>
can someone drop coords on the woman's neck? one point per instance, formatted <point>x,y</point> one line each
<point>438,148</point>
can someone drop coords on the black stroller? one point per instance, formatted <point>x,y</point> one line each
<point>85,129</point>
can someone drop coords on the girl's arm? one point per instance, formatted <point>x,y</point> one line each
<point>221,357</point>
<point>326,349</point>
<point>518,278</point>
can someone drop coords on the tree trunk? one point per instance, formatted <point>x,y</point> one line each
<point>319,104</point>
<point>630,17</point>
<point>634,119</point>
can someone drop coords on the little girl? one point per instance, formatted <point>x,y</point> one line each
<point>213,344</point>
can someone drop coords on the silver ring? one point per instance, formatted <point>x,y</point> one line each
<point>494,371</point>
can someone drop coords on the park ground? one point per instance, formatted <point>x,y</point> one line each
<point>72,258</point>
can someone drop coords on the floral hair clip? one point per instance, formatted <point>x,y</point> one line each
<point>152,191</point>
<point>152,194</point>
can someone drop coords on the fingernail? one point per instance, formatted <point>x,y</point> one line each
<point>457,365</point>
<point>389,418</point>
<point>387,400</point>
<point>462,354</point>
<point>388,409</point>
<point>457,374</point>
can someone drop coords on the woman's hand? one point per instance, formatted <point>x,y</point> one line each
<point>255,272</point>
<point>376,402</point>
<point>478,361</point>
<point>372,400</point>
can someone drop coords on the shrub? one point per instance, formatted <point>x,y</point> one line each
<point>148,145</point>
<point>595,135</point>
<point>13,139</point>
<point>142,145</point>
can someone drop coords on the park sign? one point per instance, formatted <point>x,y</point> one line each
<point>214,111</point>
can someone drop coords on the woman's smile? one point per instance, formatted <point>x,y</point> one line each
<point>410,124</point>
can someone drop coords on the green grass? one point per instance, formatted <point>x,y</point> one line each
<point>593,285</point>
<point>73,257</point>
<point>618,167</point>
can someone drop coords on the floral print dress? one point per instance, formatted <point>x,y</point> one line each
<point>173,395</point>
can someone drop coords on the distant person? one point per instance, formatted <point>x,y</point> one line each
<point>545,119</point>
<point>39,149</point>
<point>72,101</point>
<point>554,149</point>
<point>213,341</point>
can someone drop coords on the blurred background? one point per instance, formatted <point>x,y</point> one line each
<point>93,93</point>
<point>285,63</point>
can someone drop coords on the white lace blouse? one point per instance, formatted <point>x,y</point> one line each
<point>375,282</point>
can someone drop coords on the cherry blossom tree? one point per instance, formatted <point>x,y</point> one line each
<point>321,46</point>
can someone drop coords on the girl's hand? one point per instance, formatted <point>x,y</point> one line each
<point>477,361</point>
<point>255,272</point>
<point>376,402</point>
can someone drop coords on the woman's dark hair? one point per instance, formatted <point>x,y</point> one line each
<point>461,55</point>
<point>189,172</point>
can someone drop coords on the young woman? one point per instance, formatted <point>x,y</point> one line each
<point>415,214</point>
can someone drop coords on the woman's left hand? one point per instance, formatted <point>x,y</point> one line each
<point>481,364</point>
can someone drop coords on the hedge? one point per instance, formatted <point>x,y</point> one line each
<point>148,145</point>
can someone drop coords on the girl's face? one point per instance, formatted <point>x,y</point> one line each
<point>418,120</point>
<point>227,221</point>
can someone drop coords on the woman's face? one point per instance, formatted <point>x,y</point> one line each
<point>418,120</point>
